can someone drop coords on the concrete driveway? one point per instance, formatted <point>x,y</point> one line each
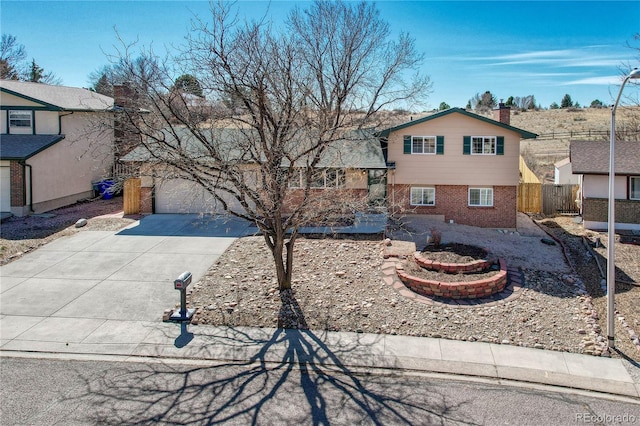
<point>95,285</point>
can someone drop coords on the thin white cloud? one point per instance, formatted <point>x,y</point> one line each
<point>595,81</point>
<point>585,57</point>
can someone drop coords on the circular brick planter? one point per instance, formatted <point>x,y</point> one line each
<point>452,268</point>
<point>456,290</point>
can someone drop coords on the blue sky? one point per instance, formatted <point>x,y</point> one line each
<point>512,48</point>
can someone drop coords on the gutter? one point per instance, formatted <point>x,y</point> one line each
<point>60,121</point>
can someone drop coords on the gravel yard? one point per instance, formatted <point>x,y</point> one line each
<point>338,286</point>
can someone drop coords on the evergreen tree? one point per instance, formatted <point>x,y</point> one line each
<point>36,74</point>
<point>188,84</point>
<point>566,102</point>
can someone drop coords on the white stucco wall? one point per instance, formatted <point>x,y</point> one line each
<point>68,168</point>
<point>597,186</point>
<point>47,123</point>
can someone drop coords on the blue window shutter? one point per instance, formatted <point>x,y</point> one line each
<point>407,144</point>
<point>439,145</point>
<point>466,146</point>
<point>500,145</point>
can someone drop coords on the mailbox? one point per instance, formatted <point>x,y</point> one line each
<point>183,281</point>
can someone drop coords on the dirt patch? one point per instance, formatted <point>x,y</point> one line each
<point>413,269</point>
<point>453,253</point>
<point>627,295</point>
<point>21,235</point>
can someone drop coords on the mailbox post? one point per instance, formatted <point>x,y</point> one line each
<point>181,283</point>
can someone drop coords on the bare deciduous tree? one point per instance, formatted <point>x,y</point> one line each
<point>280,105</point>
<point>12,55</point>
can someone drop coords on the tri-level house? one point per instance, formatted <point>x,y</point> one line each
<point>54,145</point>
<point>457,166</point>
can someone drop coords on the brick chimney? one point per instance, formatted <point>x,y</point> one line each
<point>502,114</point>
<point>123,95</point>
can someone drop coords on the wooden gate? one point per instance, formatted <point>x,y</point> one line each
<point>131,196</point>
<point>530,198</point>
<point>559,199</point>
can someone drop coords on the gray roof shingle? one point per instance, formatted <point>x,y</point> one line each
<point>592,157</point>
<point>22,147</point>
<point>360,149</point>
<point>58,97</point>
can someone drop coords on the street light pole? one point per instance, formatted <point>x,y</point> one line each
<point>611,237</point>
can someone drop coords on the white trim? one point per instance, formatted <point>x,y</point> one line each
<point>637,179</point>
<point>485,140</point>
<point>480,197</point>
<point>24,117</point>
<point>340,182</point>
<point>422,188</point>
<point>424,139</point>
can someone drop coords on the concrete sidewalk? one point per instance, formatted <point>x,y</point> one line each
<point>103,293</point>
<point>345,352</point>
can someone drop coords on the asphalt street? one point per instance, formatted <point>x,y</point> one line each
<point>75,392</point>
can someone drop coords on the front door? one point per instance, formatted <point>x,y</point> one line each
<point>377,187</point>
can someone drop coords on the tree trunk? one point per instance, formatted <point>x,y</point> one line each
<point>283,261</point>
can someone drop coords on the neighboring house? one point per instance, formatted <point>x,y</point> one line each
<point>51,146</point>
<point>563,174</point>
<point>350,167</point>
<point>456,165</point>
<point>590,160</point>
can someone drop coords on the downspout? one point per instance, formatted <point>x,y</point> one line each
<point>24,184</point>
<point>60,121</point>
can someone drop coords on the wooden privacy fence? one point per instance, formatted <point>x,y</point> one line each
<point>131,196</point>
<point>530,197</point>
<point>549,199</point>
<point>559,199</point>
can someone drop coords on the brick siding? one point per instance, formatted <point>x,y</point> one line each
<point>18,196</point>
<point>452,202</point>
<point>597,210</point>
<point>457,290</point>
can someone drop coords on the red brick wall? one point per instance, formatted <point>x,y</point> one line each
<point>452,202</point>
<point>18,196</point>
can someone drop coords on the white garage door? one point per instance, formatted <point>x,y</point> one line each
<point>5,189</point>
<point>182,196</point>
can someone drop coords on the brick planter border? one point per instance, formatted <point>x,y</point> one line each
<point>456,290</point>
<point>452,268</point>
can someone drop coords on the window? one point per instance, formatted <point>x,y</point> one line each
<point>482,197</point>
<point>335,178</point>
<point>296,178</point>
<point>634,188</point>
<point>423,196</point>
<point>483,145</point>
<point>321,178</point>
<point>19,118</point>
<point>423,144</point>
